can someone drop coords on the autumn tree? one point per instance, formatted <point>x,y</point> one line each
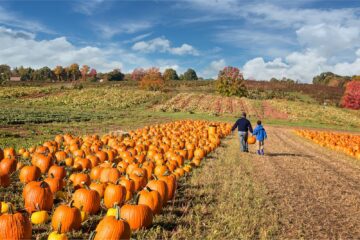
<point>351,98</point>
<point>84,72</point>
<point>58,71</point>
<point>74,71</point>
<point>152,80</point>
<point>138,74</point>
<point>230,82</point>
<point>190,74</point>
<point>93,75</point>
<point>170,74</point>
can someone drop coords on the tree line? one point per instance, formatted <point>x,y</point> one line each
<point>74,72</point>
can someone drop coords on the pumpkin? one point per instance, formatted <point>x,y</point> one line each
<point>66,218</point>
<point>80,179</point>
<point>29,174</point>
<point>57,171</point>
<point>171,184</point>
<point>111,174</point>
<point>4,179</point>
<point>161,187</point>
<point>99,187</point>
<point>39,217</point>
<point>138,216</point>
<point>55,184</point>
<point>14,225</point>
<point>38,195</point>
<point>42,162</point>
<point>87,199</point>
<point>113,227</point>
<point>55,235</point>
<point>8,165</point>
<point>152,199</point>
<point>114,194</point>
<point>251,140</point>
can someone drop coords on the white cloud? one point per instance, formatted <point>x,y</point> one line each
<point>18,50</point>
<point>163,45</point>
<point>87,7</point>
<point>13,19</point>
<point>108,31</point>
<point>213,69</point>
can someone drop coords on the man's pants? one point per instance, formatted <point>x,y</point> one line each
<point>243,141</point>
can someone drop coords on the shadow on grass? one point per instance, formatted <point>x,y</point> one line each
<point>287,155</point>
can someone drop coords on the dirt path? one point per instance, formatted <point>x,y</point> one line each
<point>315,191</point>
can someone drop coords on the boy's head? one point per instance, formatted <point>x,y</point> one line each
<point>259,122</point>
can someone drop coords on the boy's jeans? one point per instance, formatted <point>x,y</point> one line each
<point>243,141</point>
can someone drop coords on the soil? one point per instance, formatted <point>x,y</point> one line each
<point>273,113</point>
<point>315,191</point>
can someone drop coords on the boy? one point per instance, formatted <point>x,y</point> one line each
<point>261,135</point>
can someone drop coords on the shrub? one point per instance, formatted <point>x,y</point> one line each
<point>351,98</point>
<point>152,80</point>
<point>138,74</point>
<point>230,82</point>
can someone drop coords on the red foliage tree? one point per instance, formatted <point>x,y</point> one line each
<point>351,98</point>
<point>152,80</point>
<point>138,74</point>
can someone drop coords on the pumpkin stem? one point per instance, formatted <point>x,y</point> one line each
<point>58,230</point>
<point>85,185</point>
<point>117,216</point>
<point>155,177</point>
<point>92,235</point>
<point>44,184</point>
<point>147,189</point>
<point>10,209</point>
<point>70,203</point>
<point>52,175</point>
<point>136,198</point>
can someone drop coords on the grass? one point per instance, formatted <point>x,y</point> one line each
<point>219,201</point>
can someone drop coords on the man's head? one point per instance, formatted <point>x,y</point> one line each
<point>243,114</point>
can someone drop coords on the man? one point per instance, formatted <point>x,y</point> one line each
<point>243,126</point>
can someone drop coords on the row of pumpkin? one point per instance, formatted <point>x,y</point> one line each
<point>132,176</point>
<point>343,142</point>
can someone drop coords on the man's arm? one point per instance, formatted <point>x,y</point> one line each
<point>250,127</point>
<point>235,125</point>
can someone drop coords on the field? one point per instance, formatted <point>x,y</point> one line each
<point>303,187</point>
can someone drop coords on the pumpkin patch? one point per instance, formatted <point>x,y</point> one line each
<point>121,180</point>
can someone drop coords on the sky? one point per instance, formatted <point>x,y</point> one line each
<point>297,39</point>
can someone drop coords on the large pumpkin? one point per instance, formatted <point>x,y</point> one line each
<point>88,200</point>
<point>152,199</point>
<point>66,219</point>
<point>114,194</point>
<point>161,187</point>
<point>29,174</point>
<point>113,227</point>
<point>138,216</point>
<point>15,226</point>
<point>38,196</point>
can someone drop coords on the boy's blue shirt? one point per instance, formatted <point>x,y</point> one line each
<point>260,133</point>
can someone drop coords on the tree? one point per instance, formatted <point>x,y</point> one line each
<point>25,73</point>
<point>5,72</point>
<point>59,72</point>
<point>93,75</point>
<point>153,80</point>
<point>190,74</point>
<point>84,72</point>
<point>351,98</point>
<point>230,82</point>
<point>42,74</point>
<point>115,75</point>
<point>138,74</point>
<point>170,74</point>
<point>331,79</point>
<point>74,71</point>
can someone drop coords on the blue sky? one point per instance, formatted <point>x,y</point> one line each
<point>274,38</point>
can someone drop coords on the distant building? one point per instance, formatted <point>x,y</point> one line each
<point>15,79</point>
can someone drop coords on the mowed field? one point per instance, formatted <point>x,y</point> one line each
<point>299,189</point>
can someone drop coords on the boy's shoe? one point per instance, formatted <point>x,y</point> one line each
<point>258,152</point>
<point>262,152</point>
